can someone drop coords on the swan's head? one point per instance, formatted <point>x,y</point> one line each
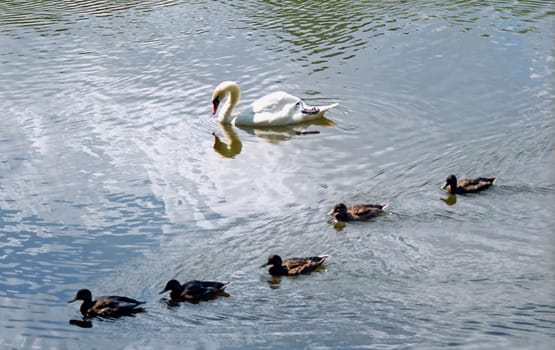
<point>216,98</point>
<point>221,91</point>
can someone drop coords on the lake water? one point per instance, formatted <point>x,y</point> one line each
<point>109,178</point>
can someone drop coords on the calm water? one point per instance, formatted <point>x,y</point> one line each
<point>109,179</point>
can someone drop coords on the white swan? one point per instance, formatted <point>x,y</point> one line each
<point>275,109</point>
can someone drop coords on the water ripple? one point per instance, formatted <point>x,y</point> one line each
<point>50,15</point>
<point>317,36</point>
<point>109,178</point>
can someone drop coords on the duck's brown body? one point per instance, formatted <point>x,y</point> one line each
<point>194,291</point>
<point>357,212</point>
<point>478,184</point>
<point>107,306</point>
<point>294,266</point>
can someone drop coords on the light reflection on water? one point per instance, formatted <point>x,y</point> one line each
<point>111,178</point>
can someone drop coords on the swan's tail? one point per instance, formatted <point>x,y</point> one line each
<point>318,111</point>
<point>324,109</point>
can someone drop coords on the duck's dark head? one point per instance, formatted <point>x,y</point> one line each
<point>172,285</point>
<point>338,209</point>
<point>274,260</point>
<point>450,182</point>
<point>83,294</point>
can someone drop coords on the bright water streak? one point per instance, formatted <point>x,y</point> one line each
<point>109,179</point>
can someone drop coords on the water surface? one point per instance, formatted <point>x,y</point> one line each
<point>109,179</point>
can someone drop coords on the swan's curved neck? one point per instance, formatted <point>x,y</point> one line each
<point>234,93</point>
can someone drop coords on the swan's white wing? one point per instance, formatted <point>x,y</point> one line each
<point>279,108</point>
<point>276,102</point>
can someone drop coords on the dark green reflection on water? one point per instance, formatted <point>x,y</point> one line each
<point>451,199</point>
<point>314,33</point>
<point>41,15</point>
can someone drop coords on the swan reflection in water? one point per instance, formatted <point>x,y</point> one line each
<point>232,145</point>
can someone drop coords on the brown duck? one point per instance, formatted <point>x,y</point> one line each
<point>357,212</point>
<point>106,306</point>
<point>293,266</point>
<point>467,185</point>
<point>194,291</point>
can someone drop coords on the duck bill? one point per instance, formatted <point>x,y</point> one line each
<point>164,291</point>
<point>264,265</point>
<point>330,212</point>
<point>72,300</point>
<point>444,186</point>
